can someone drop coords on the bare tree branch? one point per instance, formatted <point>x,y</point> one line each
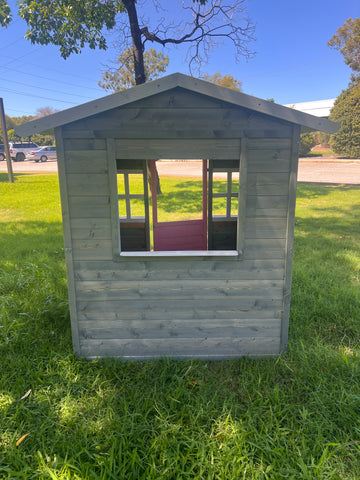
<point>211,24</point>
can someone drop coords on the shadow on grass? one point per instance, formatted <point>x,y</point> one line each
<point>314,190</point>
<point>4,178</point>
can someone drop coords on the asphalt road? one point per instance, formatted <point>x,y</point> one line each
<point>310,170</point>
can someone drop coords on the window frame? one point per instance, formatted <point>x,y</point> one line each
<point>119,255</point>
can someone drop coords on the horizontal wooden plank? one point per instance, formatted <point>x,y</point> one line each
<point>184,133</point>
<point>153,149</point>
<point>90,228</point>
<point>154,348</point>
<point>269,143</point>
<point>166,313</point>
<point>177,329</point>
<point>267,228</point>
<point>89,206</point>
<point>160,270</point>
<point>255,249</point>
<point>264,249</point>
<point>92,249</point>
<point>268,160</point>
<point>172,306</point>
<point>89,161</point>
<point>178,98</point>
<point>88,184</point>
<point>81,144</point>
<point>186,122</point>
<point>268,183</point>
<point>186,289</point>
<point>267,205</point>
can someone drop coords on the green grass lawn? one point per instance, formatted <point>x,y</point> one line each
<point>294,417</point>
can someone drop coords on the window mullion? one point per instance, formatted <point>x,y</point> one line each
<point>127,196</point>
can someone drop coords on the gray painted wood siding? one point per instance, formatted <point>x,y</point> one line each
<point>198,307</point>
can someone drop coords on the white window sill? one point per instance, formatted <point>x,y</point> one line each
<point>182,253</point>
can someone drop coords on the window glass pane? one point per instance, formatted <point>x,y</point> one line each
<point>235,182</point>
<point>136,184</point>
<point>137,207</point>
<point>122,209</point>
<point>121,185</point>
<point>220,182</point>
<point>136,187</point>
<point>219,207</point>
<point>234,206</point>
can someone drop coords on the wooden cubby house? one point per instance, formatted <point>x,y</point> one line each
<point>216,286</point>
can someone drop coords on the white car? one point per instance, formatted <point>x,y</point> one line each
<point>19,150</point>
<point>42,154</point>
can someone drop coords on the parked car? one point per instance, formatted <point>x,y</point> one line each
<point>2,152</point>
<point>18,150</point>
<point>42,154</point>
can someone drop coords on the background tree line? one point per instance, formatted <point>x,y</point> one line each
<point>346,109</point>
<point>46,138</point>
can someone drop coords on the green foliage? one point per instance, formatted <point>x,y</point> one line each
<point>41,139</point>
<point>11,135</point>
<point>293,417</point>
<point>12,122</point>
<point>347,111</point>
<point>5,13</point>
<point>347,41</point>
<point>307,142</point>
<point>122,77</point>
<point>71,24</point>
<point>224,81</point>
<point>46,138</point>
<point>323,138</point>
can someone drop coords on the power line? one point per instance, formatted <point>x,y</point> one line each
<point>47,89</point>
<point>11,44</point>
<point>19,111</point>
<point>38,96</point>
<point>49,79</point>
<point>81,77</point>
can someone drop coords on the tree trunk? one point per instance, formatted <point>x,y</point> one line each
<point>139,66</point>
<point>138,48</point>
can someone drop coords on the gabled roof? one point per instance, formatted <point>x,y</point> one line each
<point>168,83</point>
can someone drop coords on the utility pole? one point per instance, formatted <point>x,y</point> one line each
<point>6,141</point>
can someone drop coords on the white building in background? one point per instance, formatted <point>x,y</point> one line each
<point>319,108</point>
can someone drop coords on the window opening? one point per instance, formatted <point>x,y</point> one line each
<point>223,204</point>
<point>173,230</point>
<point>189,212</point>
<point>133,207</point>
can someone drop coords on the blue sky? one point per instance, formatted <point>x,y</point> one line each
<point>292,63</point>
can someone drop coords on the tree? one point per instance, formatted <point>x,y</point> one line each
<point>307,142</point>
<point>347,41</point>
<point>122,77</point>
<point>5,13</point>
<point>71,24</point>
<point>45,111</point>
<point>347,111</point>
<point>224,81</point>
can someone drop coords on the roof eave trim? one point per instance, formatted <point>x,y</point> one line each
<point>167,83</point>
